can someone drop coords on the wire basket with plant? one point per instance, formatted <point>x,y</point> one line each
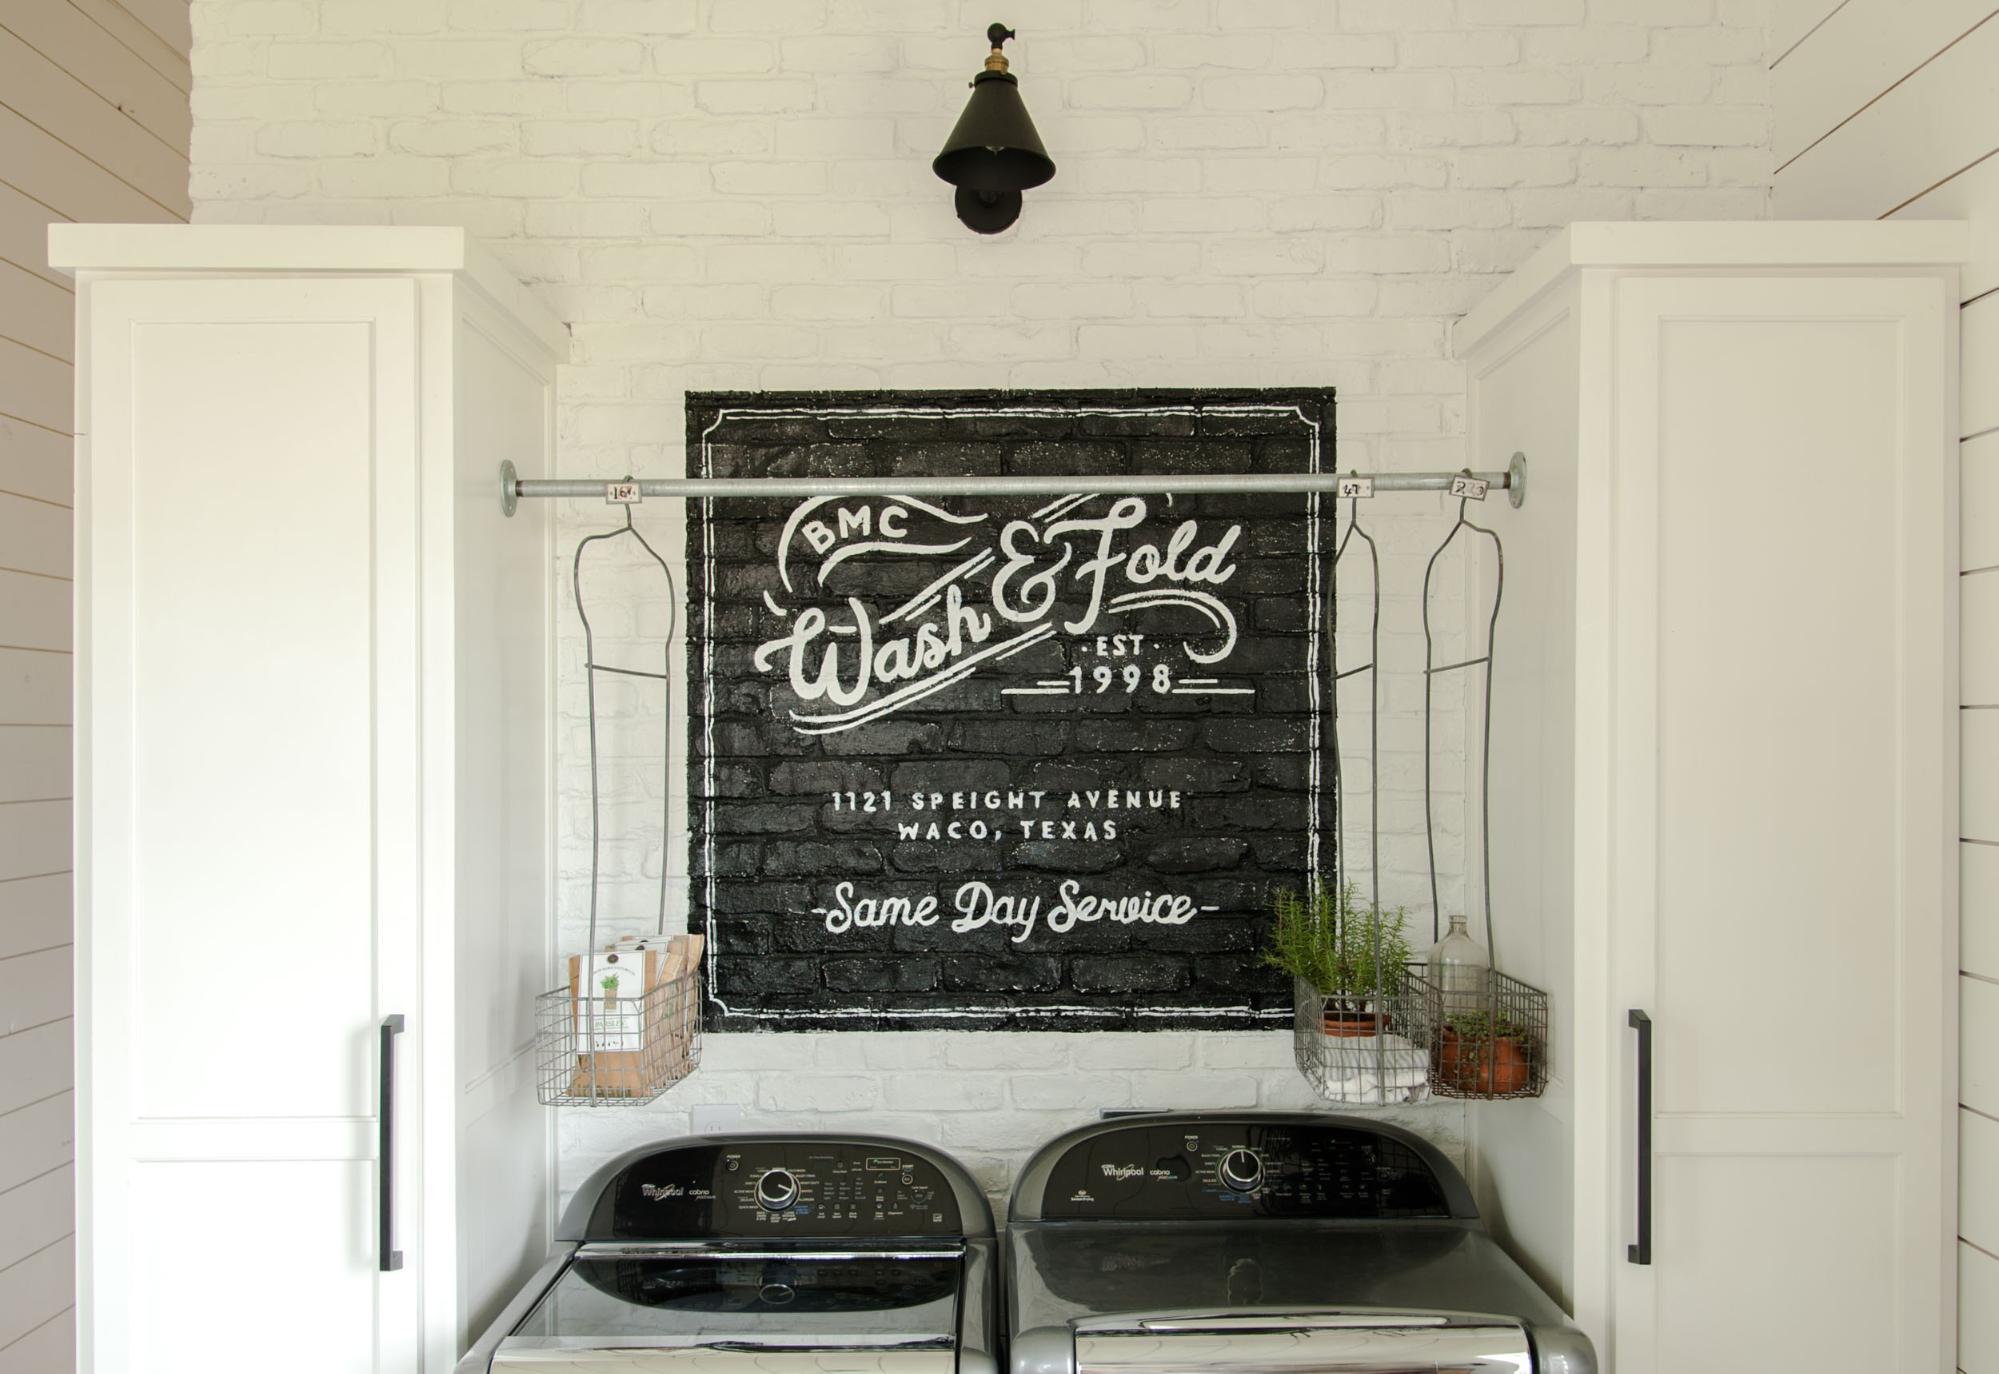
<point>1354,957</point>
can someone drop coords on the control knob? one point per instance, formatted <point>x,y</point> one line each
<point>1242,1171</point>
<point>777,1190</point>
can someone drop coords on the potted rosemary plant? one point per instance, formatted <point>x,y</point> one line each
<point>1348,954</point>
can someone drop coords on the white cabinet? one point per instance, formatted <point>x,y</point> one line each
<point>1726,785</point>
<point>312,735</point>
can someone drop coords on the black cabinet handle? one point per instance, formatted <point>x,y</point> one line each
<point>1641,1253</point>
<point>385,1154</point>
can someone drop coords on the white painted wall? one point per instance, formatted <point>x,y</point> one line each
<point>737,194</point>
<point>94,125</point>
<point>1884,109</point>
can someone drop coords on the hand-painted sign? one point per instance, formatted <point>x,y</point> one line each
<point>1029,761</point>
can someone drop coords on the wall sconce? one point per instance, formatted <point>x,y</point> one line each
<point>993,154</point>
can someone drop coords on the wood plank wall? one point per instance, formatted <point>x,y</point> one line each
<point>1885,108</point>
<point>93,126</point>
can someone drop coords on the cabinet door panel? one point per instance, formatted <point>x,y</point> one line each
<point>1785,813</point>
<point>248,866</point>
<point>204,1302</point>
<point>252,624</point>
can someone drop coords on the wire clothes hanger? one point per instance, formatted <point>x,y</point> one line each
<point>1354,531</point>
<point>591,667</point>
<point>1431,670</point>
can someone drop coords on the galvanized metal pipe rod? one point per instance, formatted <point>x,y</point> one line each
<point>1513,481</point>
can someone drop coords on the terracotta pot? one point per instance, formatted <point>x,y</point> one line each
<point>1494,1069</point>
<point>1343,1025</point>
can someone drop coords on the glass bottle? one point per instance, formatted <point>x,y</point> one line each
<point>1459,972</point>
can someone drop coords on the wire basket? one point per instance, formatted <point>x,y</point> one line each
<point>1374,1055</point>
<point>595,1051</point>
<point>1488,1040</point>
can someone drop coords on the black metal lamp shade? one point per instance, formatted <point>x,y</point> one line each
<point>993,153</point>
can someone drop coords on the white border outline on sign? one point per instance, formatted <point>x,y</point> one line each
<point>1313,598</point>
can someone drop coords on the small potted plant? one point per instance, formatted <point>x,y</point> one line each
<point>1347,954</point>
<point>1484,1055</point>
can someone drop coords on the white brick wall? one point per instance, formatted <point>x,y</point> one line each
<point>737,194</point>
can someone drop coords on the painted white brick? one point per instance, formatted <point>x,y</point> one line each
<point>641,97</point>
<point>849,1092</point>
<point>648,180</point>
<point>945,1092</point>
<point>1710,126</point>
<point>1191,1090</point>
<point>765,16</point>
<point>1680,84</point>
<point>568,219</point>
<point>458,59</point>
<point>755,96</point>
<point>1466,48</point>
<point>500,97</point>
<point>1159,1051</point>
<point>377,17</point>
<point>507,16</point>
<point>515,177</point>
<point>1591,124</point>
<point>351,179</point>
<point>1397,16</point>
<point>578,137</point>
<point>454,137</point>
<point>378,99</point>
<point>1449,210</point>
<point>1518,86</point>
<point>1054,301</point>
<point>1137,92</point>
<point>1360,171</point>
<point>1516,167</point>
<point>1187,300</point>
<point>309,62</point>
<point>1453,128</point>
<point>1327,130</point>
<point>318,138</point>
<point>268,17</point>
<point>1243,51</point>
<point>893,262</point>
<point>1527,11</point>
<point>1070,1090</point>
<point>1321,298</point>
<point>706,56</point>
<point>1399,90</point>
<point>637,16</point>
<point>583,56</point>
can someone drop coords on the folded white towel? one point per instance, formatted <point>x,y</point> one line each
<point>1373,1068</point>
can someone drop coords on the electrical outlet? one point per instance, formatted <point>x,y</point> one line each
<point>717,1120</point>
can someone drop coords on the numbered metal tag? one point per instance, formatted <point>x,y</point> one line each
<point>1473,488</point>
<point>1356,488</point>
<point>622,493</point>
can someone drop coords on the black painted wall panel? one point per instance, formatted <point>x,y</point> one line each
<point>1030,762</point>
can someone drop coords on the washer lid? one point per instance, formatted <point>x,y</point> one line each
<point>750,1304</point>
<point>1379,1341</point>
<point>1065,1276</point>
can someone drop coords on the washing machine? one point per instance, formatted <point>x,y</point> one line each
<point>1265,1243</point>
<point>763,1254</point>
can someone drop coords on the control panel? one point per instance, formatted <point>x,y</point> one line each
<point>776,1189</point>
<point>1222,1169</point>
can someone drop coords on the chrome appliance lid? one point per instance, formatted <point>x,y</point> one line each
<point>622,1297</point>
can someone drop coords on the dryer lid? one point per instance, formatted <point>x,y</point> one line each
<point>1268,1341</point>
